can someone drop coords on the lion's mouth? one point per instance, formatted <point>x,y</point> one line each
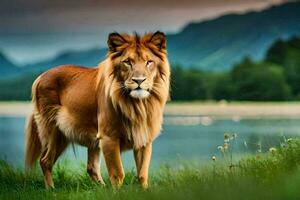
<point>139,93</point>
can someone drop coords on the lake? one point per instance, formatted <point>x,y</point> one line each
<point>189,139</point>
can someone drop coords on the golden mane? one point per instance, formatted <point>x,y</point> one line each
<point>141,118</point>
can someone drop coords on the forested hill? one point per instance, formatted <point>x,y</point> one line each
<point>213,45</point>
<point>218,44</point>
<point>7,67</point>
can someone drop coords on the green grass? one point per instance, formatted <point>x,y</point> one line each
<point>269,175</point>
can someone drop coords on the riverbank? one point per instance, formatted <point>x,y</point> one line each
<point>223,109</point>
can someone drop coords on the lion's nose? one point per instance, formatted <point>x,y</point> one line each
<point>138,80</point>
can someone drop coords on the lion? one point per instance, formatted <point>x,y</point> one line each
<point>113,107</point>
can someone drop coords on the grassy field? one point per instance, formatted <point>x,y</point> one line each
<point>270,175</point>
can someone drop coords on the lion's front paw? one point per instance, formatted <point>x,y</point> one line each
<point>101,182</point>
<point>143,182</point>
<point>117,181</point>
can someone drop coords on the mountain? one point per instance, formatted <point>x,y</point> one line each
<point>212,45</point>
<point>7,68</point>
<point>84,58</point>
<point>218,44</point>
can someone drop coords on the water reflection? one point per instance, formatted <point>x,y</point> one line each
<point>188,138</point>
<point>188,120</point>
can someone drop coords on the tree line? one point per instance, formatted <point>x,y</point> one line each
<point>275,78</point>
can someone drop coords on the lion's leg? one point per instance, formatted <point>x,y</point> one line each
<point>142,158</point>
<point>61,145</point>
<point>112,155</point>
<point>55,146</point>
<point>93,165</point>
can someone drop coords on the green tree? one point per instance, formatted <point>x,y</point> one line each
<point>224,88</point>
<point>277,52</point>
<point>287,54</point>
<point>259,81</point>
<point>187,84</point>
<point>292,70</point>
<point>17,89</point>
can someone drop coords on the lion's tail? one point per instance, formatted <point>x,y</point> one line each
<point>33,143</point>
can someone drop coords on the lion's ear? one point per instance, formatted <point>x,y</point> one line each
<point>114,41</point>
<point>159,40</point>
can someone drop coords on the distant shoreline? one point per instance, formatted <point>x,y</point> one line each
<point>234,110</point>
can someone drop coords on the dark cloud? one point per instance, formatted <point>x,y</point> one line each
<point>45,16</point>
<point>21,6</point>
<point>36,29</point>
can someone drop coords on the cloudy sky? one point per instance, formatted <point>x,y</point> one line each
<point>32,30</point>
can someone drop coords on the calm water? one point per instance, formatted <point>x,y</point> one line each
<point>177,142</point>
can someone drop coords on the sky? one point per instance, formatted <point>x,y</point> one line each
<point>33,30</point>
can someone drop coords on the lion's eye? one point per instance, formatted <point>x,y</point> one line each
<point>149,63</point>
<point>127,62</point>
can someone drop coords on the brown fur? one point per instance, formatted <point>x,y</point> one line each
<point>113,107</point>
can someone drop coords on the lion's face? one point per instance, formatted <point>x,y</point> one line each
<point>136,62</point>
<point>137,70</point>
